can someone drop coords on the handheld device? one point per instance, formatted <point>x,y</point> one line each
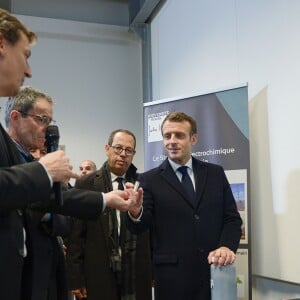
<point>52,140</point>
<point>136,186</point>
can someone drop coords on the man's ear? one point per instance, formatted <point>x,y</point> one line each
<point>106,148</point>
<point>194,139</point>
<point>2,44</point>
<point>15,115</point>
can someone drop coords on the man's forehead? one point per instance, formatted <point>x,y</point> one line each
<point>86,164</point>
<point>25,41</point>
<point>122,135</point>
<point>170,125</point>
<point>41,104</point>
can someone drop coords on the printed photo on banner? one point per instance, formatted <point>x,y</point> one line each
<point>238,183</point>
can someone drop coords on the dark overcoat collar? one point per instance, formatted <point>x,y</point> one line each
<point>200,174</point>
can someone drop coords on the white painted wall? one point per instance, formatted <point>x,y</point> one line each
<point>93,72</point>
<point>206,45</point>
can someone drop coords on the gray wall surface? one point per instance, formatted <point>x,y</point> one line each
<point>93,72</point>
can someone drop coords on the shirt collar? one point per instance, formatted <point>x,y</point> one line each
<point>25,155</point>
<point>175,166</point>
<point>114,176</point>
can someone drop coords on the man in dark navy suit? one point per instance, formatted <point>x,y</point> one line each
<point>192,215</point>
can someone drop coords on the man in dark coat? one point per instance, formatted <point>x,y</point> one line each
<point>20,185</point>
<point>23,184</point>
<point>189,206</point>
<point>104,260</point>
<point>27,115</point>
<point>47,245</point>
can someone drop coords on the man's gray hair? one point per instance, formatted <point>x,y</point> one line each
<point>24,101</point>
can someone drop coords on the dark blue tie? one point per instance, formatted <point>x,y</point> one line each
<point>122,224</point>
<point>187,183</point>
<point>120,183</point>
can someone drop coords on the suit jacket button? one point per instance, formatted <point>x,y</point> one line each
<point>196,217</point>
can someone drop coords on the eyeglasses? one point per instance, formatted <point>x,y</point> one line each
<point>41,119</point>
<point>128,151</point>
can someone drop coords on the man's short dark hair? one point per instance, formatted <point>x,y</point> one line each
<point>177,116</point>
<point>112,135</point>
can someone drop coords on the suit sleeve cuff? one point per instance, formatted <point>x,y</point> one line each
<point>138,219</point>
<point>104,201</point>
<point>50,179</point>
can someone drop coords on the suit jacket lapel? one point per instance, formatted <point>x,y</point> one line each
<point>99,182</point>
<point>200,175</point>
<point>9,152</point>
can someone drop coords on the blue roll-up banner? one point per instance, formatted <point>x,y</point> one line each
<point>223,138</point>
